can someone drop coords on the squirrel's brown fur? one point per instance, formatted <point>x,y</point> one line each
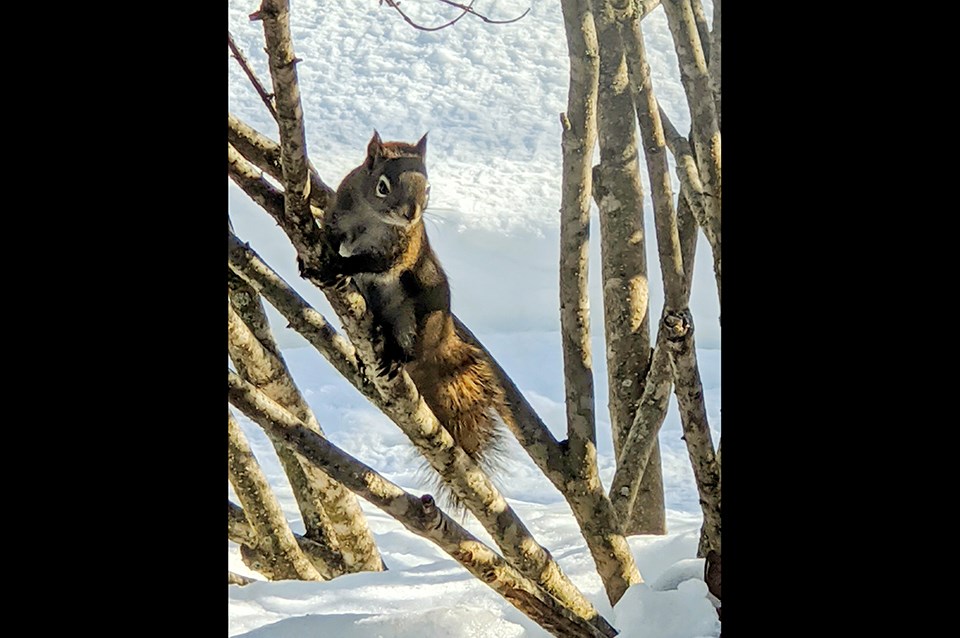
<point>377,230</point>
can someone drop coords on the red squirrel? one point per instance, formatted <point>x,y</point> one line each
<point>376,229</point>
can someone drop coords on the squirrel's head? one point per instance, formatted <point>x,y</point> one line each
<point>396,179</point>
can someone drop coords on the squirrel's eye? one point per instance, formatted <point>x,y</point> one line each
<point>383,186</point>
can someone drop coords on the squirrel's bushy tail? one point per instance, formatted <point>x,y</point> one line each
<point>466,398</point>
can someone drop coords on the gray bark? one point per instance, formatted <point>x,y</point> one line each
<point>419,515</point>
<point>276,544</point>
<point>583,492</point>
<point>331,513</point>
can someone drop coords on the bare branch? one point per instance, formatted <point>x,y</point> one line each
<point>676,294</point>
<point>409,20</point>
<point>264,153</point>
<point>693,415</point>
<point>703,116</point>
<point>619,195</point>
<point>306,238</point>
<point>466,9</point>
<point>472,12</point>
<point>242,60</point>
<point>241,532</point>
<point>399,399</point>
<point>687,228</point>
<point>275,541</point>
<point>641,442</point>
<point>577,141</point>
<point>419,515</point>
<point>275,15</point>
<point>692,191</point>
<point>700,18</point>
<point>331,514</point>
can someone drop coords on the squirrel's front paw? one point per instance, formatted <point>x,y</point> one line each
<point>327,275</point>
<point>392,358</point>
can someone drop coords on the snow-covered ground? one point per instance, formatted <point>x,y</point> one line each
<point>490,98</point>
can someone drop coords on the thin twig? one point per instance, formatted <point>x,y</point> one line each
<point>481,16</point>
<point>408,20</point>
<point>242,60</point>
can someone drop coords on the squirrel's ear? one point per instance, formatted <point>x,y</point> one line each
<point>422,146</point>
<point>374,149</point>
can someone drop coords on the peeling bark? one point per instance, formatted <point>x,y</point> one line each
<point>331,513</point>
<point>419,515</point>
<point>275,542</point>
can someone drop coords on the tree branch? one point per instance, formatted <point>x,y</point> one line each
<point>619,195</point>
<point>283,558</point>
<point>275,15</point>
<point>578,137</point>
<point>465,10</point>
<point>241,532</point>
<point>706,132</point>
<point>692,189</point>
<point>409,20</point>
<point>264,153</point>
<point>242,60</point>
<point>642,439</point>
<point>676,294</point>
<point>696,431</point>
<point>615,566</point>
<point>331,514</point>
<point>419,515</point>
<point>399,399</point>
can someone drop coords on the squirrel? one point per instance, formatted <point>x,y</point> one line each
<point>376,230</point>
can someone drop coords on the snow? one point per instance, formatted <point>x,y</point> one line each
<point>489,97</point>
